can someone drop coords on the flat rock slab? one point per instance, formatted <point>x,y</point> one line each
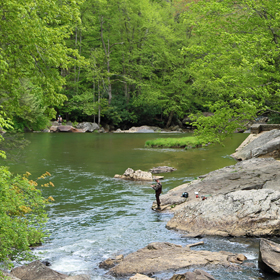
<point>266,144</point>
<point>240,213</point>
<point>255,173</point>
<point>158,257</point>
<point>269,256</point>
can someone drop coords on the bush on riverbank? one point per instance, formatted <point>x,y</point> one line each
<point>22,215</point>
<point>184,142</point>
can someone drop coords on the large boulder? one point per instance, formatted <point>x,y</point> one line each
<point>156,258</point>
<point>266,144</point>
<point>255,173</point>
<point>38,271</point>
<point>269,256</point>
<point>240,213</point>
<point>88,127</point>
<point>137,175</point>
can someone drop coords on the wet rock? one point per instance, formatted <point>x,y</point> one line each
<point>197,274</point>
<point>36,271</point>
<point>137,175</point>
<point>162,169</point>
<point>266,144</point>
<point>156,257</point>
<point>111,262</point>
<point>255,173</point>
<point>269,256</point>
<point>240,213</point>
<point>39,271</point>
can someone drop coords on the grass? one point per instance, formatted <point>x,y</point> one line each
<point>184,142</point>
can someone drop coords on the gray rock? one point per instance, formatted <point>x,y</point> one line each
<point>240,213</point>
<point>197,274</point>
<point>137,175</point>
<point>265,144</point>
<point>111,262</point>
<point>269,256</point>
<point>255,173</point>
<point>36,271</point>
<point>156,258</point>
<point>162,169</point>
<point>88,127</point>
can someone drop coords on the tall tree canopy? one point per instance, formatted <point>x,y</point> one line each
<point>235,60</point>
<point>32,53</point>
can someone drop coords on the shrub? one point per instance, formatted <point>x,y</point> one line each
<point>22,216</point>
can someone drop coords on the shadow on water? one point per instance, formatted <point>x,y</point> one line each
<point>95,216</point>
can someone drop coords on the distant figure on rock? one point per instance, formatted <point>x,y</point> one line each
<point>59,120</point>
<point>158,189</point>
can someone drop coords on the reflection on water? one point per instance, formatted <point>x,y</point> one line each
<point>95,216</point>
<point>14,145</point>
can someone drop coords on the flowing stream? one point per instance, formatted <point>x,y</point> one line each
<point>95,216</point>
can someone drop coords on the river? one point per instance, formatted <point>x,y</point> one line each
<point>95,216</point>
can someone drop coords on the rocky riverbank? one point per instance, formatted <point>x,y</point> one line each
<point>238,200</point>
<point>94,127</point>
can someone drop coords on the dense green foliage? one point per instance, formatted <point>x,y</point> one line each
<point>235,61</point>
<point>183,142</point>
<point>22,216</point>
<point>32,52</point>
<point>130,62</point>
<point>140,62</point>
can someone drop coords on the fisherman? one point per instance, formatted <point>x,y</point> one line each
<point>59,120</point>
<point>158,189</point>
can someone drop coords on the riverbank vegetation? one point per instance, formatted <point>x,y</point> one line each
<point>126,63</point>
<point>183,142</point>
<point>22,216</point>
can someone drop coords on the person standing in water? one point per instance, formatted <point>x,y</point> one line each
<point>158,189</point>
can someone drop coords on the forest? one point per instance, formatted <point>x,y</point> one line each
<point>152,62</point>
<point>124,63</point>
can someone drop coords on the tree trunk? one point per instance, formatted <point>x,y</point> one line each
<point>93,87</point>
<point>170,119</point>
<point>99,107</point>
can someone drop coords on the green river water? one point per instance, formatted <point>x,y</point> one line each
<point>95,216</point>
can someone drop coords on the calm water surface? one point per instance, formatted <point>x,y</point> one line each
<point>95,216</point>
